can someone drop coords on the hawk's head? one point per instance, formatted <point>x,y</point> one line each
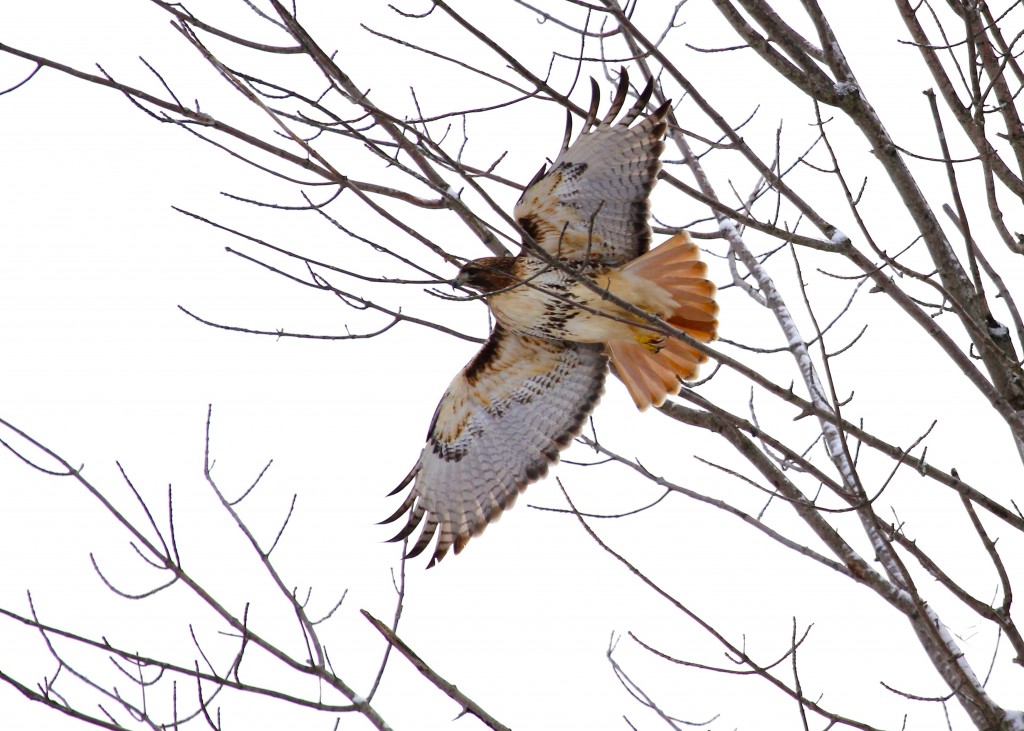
<point>488,275</point>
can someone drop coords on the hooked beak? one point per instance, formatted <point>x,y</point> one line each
<point>459,282</point>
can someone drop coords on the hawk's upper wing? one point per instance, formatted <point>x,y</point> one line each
<point>503,420</point>
<point>593,200</point>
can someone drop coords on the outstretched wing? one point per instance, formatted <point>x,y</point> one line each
<point>593,202</point>
<point>503,420</point>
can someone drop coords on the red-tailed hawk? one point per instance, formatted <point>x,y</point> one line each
<point>525,395</point>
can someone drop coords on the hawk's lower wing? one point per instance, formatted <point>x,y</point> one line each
<point>503,420</point>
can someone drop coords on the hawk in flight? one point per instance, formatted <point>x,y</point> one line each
<point>525,395</point>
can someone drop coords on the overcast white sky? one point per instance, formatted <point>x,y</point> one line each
<point>101,366</point>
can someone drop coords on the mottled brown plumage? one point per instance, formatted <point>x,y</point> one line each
<point>525,395</point>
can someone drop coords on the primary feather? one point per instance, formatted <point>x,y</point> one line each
<point>593,202</point>
<point>503,420</point>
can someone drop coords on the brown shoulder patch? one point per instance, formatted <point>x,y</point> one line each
<point>485,355</point>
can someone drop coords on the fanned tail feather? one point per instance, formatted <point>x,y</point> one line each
<point>652,371</point>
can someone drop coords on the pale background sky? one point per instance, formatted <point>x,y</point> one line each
<point>100,365</point>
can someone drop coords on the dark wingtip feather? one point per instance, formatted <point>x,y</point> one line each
<point>404,483</point>
<point>414,520</point>
<point>439,553</point>
<point>537,177</point>
<point>406,505</point>
<point>423,541</point>
<point>640,104</point>
<point>595,101</point>
<point>567,136</point>
<point>617,101</point>
<point>661,112</point>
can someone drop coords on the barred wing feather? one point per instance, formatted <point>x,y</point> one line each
<point>593,202</point>
<point>502,422</point>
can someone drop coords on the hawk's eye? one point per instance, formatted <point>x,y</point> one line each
<point>469,276</point>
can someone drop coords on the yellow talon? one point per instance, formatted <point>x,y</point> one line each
<point>651,341</point>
